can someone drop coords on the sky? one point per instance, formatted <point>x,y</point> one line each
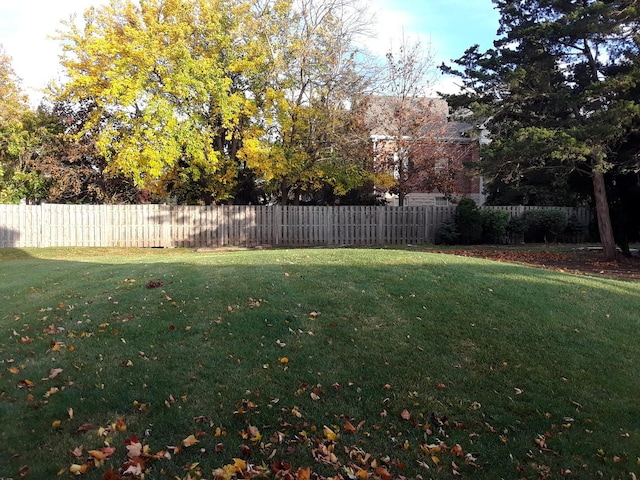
<point>445,28</point>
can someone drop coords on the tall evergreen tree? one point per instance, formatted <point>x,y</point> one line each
<point>555,92</point>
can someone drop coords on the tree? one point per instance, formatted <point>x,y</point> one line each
<point>167,83</point>
<point>413,140</point>
<point>194,98</point>
<point>312,136</point>
<point>18,140</point>
<point>554,91</point>
<point>74,168</point>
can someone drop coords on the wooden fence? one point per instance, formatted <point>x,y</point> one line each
<point>50,225</point>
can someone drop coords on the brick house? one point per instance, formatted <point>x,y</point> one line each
<point>443,144</point>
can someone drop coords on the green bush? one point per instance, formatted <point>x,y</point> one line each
<point>544,225</point>
<point>575,231</point>
<point>468,221</point>
<point>515,229</point>
<point>494,225</point>
<point>447,233</point>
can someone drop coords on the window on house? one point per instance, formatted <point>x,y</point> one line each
<point>442,202</point>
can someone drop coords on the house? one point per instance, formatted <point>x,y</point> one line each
<point>427,155</point>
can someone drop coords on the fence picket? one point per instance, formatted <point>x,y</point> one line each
<point>49,225</point>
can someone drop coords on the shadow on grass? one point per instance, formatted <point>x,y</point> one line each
<point>8,237</point>
<point>203,336</point>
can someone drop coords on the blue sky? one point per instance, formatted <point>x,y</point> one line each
<point>451,25</point>
<point>444,27</point>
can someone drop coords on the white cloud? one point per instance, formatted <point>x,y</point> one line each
<point>391,25</point>
<point>26,29</point>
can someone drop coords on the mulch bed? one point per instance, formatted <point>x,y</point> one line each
<point>578,261</point>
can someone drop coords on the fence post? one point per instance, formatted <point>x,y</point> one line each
<point>277,223</point>
<point>426,230</point>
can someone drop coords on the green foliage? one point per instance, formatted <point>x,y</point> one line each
<point>575,231</point>
<point>468,221</point>
<point>494,225</point>
<point>558,93</point>
<point>29,186</point>
<point>447,233</point>
<point>188,94</point>
<point>544,225</point>
<point>516,228</point>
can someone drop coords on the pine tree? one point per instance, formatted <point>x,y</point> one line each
<point>555,91</point>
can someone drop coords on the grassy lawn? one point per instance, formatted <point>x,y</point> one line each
<point>347,363</point>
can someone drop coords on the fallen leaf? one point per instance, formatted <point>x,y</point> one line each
<point>240,465</point>
<point>246,450</point>
<point>457,450</point>
<point>383,473</point>
<point>254,434</point>
<point>51,391</point>
<point>190,440</point>
<point>78,469</point>
<point>51,330</point>
<point>85,427</point>
<point>121,426</point>
<point>55,372</point>
<point>134,447</point>
<point>348,427</point>
<point>78,451</point>
<point>303,474</point>
<point>405,415</point>
<point>108,451</point>
<point>98,456</point>
<point>329,434</point>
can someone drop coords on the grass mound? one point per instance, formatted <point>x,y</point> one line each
<point>312,364</point>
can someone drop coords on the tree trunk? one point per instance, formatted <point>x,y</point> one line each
<point>284,192</point>
<point>604,219</point>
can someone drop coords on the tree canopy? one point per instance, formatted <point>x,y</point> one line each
<point>414,143</point>
<point>558,92</point>
<point>19,138</point>
<point>189,94</point>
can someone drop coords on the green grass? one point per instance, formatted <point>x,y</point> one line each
<point>530,372</point>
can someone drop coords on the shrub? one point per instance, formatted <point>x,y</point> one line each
<point>544,225</point>
<point>447,233</point>
<point>494,225</point>
<point>575,231</point>
<point>468,221</point>
<point>515,229</point>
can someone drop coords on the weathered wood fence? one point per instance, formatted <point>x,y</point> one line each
<point>50,225</point>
